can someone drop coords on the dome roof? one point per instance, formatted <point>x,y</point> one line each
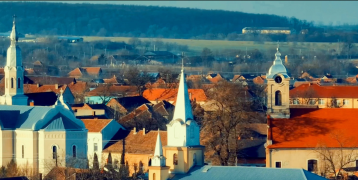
<point>277,67</point>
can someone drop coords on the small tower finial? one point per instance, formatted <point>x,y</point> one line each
<point>278,45</point>
<point>14,19</point>
<point>182,61</point>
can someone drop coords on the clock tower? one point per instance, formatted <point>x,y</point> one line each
<point>278,88</point>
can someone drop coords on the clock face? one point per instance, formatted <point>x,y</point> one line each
<point>278,79</point>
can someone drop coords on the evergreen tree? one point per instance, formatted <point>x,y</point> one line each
<point>95,162</point>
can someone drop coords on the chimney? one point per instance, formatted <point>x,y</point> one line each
<point>190,96</point>
<point>134,130</point>
<point>93,113</point>
<point>38,85</point>
<point>32,103</point>
<point>143,131</point>
<point>56,86</point>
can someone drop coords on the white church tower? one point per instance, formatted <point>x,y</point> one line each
<point>183,149</point>
<point>158,169</point>
<point>278,88</point>
<point>14,73</point>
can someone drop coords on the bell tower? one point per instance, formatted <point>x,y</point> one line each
<point>278,87</point>
<point>14,73</point>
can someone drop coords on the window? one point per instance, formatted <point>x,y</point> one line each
<point>18,83</point>
<point>321,101</point>
<point>296,101</point>
<point>278,98</point>
<point>74,151</point>
<point>23,151</point>
<point>312,102</point>
<point>153,176</point>
<point>175,159</point>
<point>338,102</point>
<point>95,147</point>
<point>54,152</point>
<point>12,82</point>
<point>278,164</point>
<point>345,102</point>
<point>312,165</point>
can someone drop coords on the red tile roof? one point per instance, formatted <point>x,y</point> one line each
<point>96,125</point>
<point>309,127</point>
<point>114,90</point>
<point>95,71</point>
<point>171,94</point>
<point>112,80</point>
<point>34,88</point>
<point>78,87</point>
<point>139,143</point>
<point>259,80</point>
<point>75,73</point>
<point>325,91</point>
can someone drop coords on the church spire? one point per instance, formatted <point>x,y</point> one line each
<point>183,109</point>
<point>13,36</point>
<point>158,158</point>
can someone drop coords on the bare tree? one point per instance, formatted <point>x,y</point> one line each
<point>336,159</point>
<point>222,126</point>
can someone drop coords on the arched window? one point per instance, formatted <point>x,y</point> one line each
<point>278,98</point>
<point>18,83</point>
<point>74,151</point>
<point>23,151</point>
<point>153,176</point>
<point>312,165</point>
<point>194,159</point>
<point>150,162</point>
<point>175,159</point>
<point>12,82</point>
<point>54,152</point>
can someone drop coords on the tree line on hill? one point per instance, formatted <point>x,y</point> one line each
<point>134,21</point>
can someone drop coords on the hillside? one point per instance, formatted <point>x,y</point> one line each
<point>130,20</point>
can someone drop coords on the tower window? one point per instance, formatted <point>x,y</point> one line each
<point>23,151</point>
<point>12,82</point>
<point>153,176</point>
<point>175,159</point>
<point>54,152</point>
<point>18,83</point>
<point>74,151</point>
<point>95,147</point>
<point>278,98</point>
<point>278,164</point>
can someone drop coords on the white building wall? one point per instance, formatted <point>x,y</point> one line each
<point>26,148</point>
<point>94,137</point>
<point>176,134</point>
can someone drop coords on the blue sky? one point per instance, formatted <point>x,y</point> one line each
<point>325,12</point>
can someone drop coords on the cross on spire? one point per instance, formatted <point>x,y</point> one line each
<point>278,45</point>
<point>14,17</point>
<point>182,61</point>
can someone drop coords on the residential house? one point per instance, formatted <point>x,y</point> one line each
<point>90,111</point>
<point>138,148</point>
<point>125,105</point>
<point>268,30</point>
<point>161,56</point>
<point>100,134</point>
<point>104,93</point>
<point>170,95</point>
<point>214,78</point>
<point>82,72</point>
<point>36,88</point>
<point>78,89</point>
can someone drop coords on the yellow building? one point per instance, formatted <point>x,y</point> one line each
<point>268,30</point>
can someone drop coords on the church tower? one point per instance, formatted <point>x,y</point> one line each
<point>14,73</point>
<point>183,149</point>
<point>158,170</point>
<point>278,87</point>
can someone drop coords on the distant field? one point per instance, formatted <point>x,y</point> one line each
<point>198,45</point>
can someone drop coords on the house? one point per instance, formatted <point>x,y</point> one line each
<point>138,149</point>
<point>36,88</point>
<point>161,56</point>
<point>104,93</point>
<point>48,80</point>
<point>100,134</point>
<point>155,95</point>
<point>89,111</point>
<point>85,71</point>
<point>126,104</point>
<point>214,78</point>
<point>78,89</point>
<point>70,39</point>
<point>268,30</point>
<point>112,80</point>
<point>324,96</point>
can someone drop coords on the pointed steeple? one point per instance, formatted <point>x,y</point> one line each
<point>183,109</point>
<point>158,146</point>
<point>158,158</point>
<point>13,36</point>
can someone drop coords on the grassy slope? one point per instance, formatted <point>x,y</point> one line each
<point>198,45</point>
